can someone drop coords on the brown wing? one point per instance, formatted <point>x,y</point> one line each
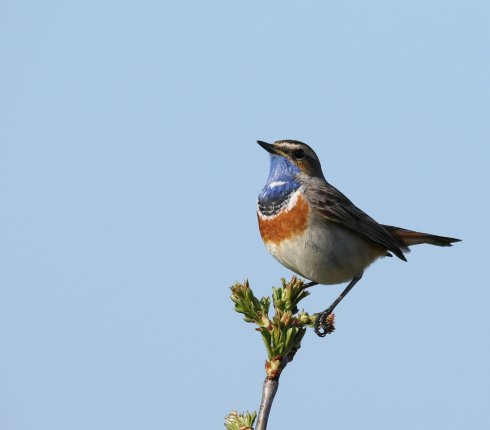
<point>336,207</point>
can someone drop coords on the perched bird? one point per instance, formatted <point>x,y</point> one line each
<point>314,230</point>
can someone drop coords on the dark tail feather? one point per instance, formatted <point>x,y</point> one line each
<point>409,237</point>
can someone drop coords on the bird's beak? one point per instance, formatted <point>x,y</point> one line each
<point>268,147</point>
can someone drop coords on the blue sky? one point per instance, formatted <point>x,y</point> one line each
<point>128,179</point>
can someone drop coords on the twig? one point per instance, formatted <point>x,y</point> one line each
<point>281,333</point>
<point>268,392</point>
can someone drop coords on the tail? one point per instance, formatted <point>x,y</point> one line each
<point>409,237</point>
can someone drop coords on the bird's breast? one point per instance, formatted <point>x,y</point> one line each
<point>313,247</point>
<point>290,221</point>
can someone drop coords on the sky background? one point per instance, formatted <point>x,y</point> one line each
<point>128,179</point>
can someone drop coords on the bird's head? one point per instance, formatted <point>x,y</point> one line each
<point>294,156</point>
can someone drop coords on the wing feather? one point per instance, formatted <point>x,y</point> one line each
<point>336,207</point>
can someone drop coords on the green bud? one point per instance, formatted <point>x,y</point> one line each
<point>243,421</point>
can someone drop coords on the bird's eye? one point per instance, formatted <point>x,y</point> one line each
<point>298,154</point>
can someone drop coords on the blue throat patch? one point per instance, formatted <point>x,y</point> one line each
<point>279,186</point>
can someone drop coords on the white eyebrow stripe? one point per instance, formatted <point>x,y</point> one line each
<point>276,184</point>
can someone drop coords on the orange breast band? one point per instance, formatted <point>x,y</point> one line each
<point>286,224</point>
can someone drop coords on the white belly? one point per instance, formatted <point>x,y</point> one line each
<point>326,253</point>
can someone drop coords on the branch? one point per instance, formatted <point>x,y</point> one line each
<point>268,392</point>
<point>282,335</point>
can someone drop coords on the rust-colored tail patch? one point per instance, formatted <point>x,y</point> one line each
<point>409,237</point>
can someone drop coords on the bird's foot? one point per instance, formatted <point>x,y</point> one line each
<point>324,323</point>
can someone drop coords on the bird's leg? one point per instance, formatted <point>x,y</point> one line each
<point>320,326</point>
<point>309,284</point>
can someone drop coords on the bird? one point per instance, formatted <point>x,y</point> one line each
<point>314,230</point>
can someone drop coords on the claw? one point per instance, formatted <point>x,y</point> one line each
<point>322,327</point>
